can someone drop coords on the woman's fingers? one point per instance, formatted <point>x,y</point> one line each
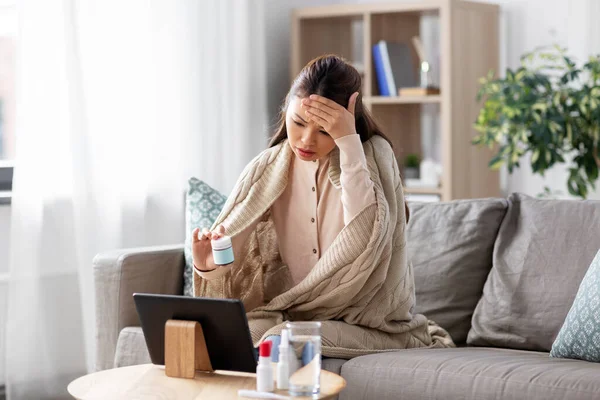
<point>336,120</point>
<point>325,110</point>
<point>330,104</point>
<point>316,111</point>
<point>318,119</point>
<point>219,232</point>
<point>205,234</point>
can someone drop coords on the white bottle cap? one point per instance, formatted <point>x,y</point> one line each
<point>221,243</point>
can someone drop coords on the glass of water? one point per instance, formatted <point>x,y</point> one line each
<point>305,359</point>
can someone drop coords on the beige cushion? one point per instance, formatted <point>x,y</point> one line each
<point>543,250</point>
<point>469,373</point>
<point>450,246</point>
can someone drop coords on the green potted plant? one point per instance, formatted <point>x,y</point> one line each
<point>411,166</point>
<point>549,108</point>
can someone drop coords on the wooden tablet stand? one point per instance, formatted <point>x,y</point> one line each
<point>185,349</point>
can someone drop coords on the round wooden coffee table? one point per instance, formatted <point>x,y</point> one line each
<point>149,381</point>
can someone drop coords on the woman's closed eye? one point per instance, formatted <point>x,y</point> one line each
<point>302,125</point>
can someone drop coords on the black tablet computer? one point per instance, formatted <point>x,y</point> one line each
<point>223,322</point>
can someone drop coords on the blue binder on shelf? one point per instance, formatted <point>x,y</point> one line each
<point>393,67</point>
<point>380,70</point>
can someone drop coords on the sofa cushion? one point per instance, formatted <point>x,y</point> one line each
<point>542,252</point>
<point>202,207</point>
<point>450,246</point>
<point>131,348</point>
<point>333,364</point>
<point>469,373</point>
<point>579,336</point>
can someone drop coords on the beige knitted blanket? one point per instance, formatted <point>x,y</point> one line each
<point>362,288</point>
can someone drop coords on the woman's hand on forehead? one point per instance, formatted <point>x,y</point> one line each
<point>335,119</point>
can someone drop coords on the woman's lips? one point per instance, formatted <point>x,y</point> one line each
<point>305,153</point>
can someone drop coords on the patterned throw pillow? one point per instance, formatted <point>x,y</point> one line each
<point>579,336</point>
<point>202,207</point>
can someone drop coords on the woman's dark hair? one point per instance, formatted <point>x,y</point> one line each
<point>332,77</point>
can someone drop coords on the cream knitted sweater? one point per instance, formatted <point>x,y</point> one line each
<point>362,288</point>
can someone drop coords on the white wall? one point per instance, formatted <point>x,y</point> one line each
<point>525,24</point>
<point>4,235</point>
<point>277,31</point>
<point>4,244</point>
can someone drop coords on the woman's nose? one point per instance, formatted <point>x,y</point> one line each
<point>308,137</point>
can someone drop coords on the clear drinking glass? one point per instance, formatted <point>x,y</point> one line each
<point>305,358</point>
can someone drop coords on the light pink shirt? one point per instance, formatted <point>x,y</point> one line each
<point>311,211</point>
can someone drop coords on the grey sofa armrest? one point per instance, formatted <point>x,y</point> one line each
<point>120,273</point>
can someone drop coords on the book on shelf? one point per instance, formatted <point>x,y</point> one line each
<point>379,71</point>
<point>418,91</point>
<point>393,67</point>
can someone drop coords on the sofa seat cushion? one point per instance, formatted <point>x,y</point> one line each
<point>469,373</point>
<point>132,350</point>
<point>333,365</point>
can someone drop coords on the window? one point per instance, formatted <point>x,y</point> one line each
<point>8,33</point>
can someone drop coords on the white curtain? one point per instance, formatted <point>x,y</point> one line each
<point>118,104</point>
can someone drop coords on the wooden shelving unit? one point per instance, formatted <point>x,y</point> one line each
<point>468,50</point>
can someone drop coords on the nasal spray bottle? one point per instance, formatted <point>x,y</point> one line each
<point>283,366</point>
<point>264,370</point>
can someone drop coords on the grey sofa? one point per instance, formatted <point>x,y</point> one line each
<point>499,274</point>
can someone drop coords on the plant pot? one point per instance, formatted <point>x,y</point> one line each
<point>411,173</point>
